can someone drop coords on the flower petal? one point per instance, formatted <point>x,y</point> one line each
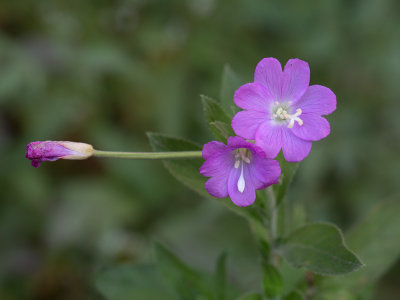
<point>264,172</point>
<point>248,196</point>
<point>294,149</point>
<point>318,99</point>
<point>245,123</point>
<point>296,79</point>
<point>253,96</point>
<point>288,85</point>
<point>237,142</point>
<point>212,148</point>
<point>314,127</point>
<point>269,138</point>
<point>218,164</point>
<point>269,73</point>
<point>217,186</point>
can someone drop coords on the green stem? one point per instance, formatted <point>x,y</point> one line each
<point>273,222</point>
<point>148,155</point>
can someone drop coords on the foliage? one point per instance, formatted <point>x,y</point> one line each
<point>105,72</point>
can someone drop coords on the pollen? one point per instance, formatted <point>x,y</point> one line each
<point>281,114</point>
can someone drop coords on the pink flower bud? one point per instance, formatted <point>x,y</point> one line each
<point>53,150</point>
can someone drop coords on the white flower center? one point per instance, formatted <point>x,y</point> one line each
<point>241,158</point>
<point>281,114</point>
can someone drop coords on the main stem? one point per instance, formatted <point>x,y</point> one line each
<point>273,220</point>
<point>148,155</point>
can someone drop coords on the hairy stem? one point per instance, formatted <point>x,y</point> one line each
<point>148,155</point>
<point>273,220</point>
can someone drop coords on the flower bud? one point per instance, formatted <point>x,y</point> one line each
<point>38,152</point>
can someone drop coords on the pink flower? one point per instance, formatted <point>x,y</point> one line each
<point>237,170</point>
<point>281,110</point>
<point>38,152</point>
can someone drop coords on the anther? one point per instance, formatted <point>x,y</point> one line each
<point>295,117</point>
<point>237,164</point>
<point>283,115</point>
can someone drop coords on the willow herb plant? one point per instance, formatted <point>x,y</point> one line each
<point>280,112</point>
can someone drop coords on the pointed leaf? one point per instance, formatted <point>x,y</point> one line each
<point>376,239</point>
<point>132,282</point>
<point>221,129</point>
<point>272,281</point>
<point>319,248</point>
<point>294,296</point>
<point>220,277</point>
<point>185,280</point>
<point>187,172</point>
<point>230,83</point>
<point>291,276</point>
<point>251,296</point>
<point>217,119</point>
<point>288,171</point>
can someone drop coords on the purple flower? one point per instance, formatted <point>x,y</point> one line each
<point>281,110</point>
<point>237,170</point>
<point>38,152</point>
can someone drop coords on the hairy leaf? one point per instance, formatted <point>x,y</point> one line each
<point>187,282</point>
<point>294,296</point>
<point>376,239</point>
<point>319,248</point>
<point>217,119</point>
<point>220,277</point>
<point>230,83</point>
<point>272,281</point>
<point>187,172</point>
<point>132,282</point>
<point>251,296</point>
<point>288,171</point>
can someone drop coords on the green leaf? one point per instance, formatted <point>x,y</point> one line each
<point>342,294</point>
<point>221,129</point>
<point>251,296</point>
<point>188,282</point>
<point>230,83</point>
<point>132,282</point>
<point>288,171</point>
<point>187,172</point>
<point>376,239</point>
<point>319,248</point>
<point>294,296</point>
<point>291,276</point>
<point>217,119</point>
<point>272,281</point>
<point>264,249</point>
<point>220,277</point>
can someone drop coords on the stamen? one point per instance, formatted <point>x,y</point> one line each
<point>237,164</point>
<point>241,183</point>
<point>283,115</point>
<point>295,117</point>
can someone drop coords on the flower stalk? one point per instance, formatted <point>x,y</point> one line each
<point>39,152</point>
<point>273,222</point>
<point>148,155</point>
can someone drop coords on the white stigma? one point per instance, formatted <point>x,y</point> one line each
<point>241,158</point>
<point>241,183</point>
<point>283,115</point>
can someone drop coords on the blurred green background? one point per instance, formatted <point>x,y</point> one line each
<point>105,72</point>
